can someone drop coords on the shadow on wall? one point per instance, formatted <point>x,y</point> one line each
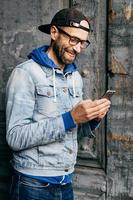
<point>5,155</point>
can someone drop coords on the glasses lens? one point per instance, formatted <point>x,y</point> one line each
<point>85,44</point>
<point>74,40</point>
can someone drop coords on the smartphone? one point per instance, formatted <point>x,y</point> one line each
<point>108,94</point>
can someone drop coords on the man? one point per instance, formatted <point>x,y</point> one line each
<point>44,108</point>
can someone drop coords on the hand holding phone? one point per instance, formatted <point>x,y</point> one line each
<point>108,94</point>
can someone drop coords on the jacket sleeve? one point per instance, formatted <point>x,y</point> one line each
<point>22,131</point>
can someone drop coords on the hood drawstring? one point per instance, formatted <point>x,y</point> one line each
<point>62,179</point>
<point>54,85</point>
<point>73,83</point>
<point>73,80</point>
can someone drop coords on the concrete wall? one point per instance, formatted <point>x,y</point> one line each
<point>107,63</point>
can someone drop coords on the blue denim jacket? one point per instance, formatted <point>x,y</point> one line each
<point>35,127</point>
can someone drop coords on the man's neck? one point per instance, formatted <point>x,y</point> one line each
<point>53,57</point>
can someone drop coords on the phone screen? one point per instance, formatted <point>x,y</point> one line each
<point>108,94</point>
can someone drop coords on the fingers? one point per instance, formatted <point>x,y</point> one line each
<point>87,110</point>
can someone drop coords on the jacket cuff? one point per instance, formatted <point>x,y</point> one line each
<point>68,121</point>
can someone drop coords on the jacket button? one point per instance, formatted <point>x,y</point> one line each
<point>65,90</point>
<point>48,93</point>
<point>70,151</point>
<point>66,170</point>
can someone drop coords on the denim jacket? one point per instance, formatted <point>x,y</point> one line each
<point>36,99</point>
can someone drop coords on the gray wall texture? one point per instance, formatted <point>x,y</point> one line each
<point>108,63</point>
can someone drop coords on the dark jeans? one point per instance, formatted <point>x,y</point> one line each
<point>26,188</point>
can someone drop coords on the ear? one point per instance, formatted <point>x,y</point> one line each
<point>54,32</point>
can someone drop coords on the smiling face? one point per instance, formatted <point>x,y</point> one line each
<point>67,44</point>
<point>64,53</point>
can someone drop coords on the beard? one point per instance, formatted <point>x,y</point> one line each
<point>65,55</point>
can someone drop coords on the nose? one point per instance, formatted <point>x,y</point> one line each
<point>77,47</point>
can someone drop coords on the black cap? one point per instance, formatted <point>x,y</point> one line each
<point>66,17</point>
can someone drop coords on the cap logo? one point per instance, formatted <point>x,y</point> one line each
<point>75,24</point>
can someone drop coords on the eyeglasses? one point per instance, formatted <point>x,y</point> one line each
<point>74,40</point>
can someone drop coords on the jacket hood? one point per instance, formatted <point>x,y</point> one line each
<point>40,56</point>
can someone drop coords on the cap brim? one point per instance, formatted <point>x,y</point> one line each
<point>45,28</point>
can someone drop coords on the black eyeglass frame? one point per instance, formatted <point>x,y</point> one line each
<point>76,40</point>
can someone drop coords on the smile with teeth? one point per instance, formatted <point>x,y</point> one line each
<point>71,53</point>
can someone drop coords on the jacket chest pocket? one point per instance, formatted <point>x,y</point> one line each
<point>45,101</point>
